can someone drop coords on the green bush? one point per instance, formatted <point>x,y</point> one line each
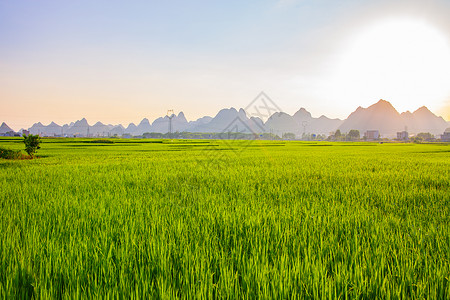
<point>10,154</point>
<point>31,143</point>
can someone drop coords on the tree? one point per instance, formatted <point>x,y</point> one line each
<point>337,136</point>
<point>426,136</point>
<point>289,136</point>
<point>31,143</point>
<point>423,137</point>
<point>353,135</point>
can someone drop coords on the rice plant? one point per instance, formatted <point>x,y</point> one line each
<point>225,219</point>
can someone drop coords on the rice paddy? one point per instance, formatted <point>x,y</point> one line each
<point>225,219</point>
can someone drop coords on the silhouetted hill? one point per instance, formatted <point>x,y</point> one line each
<point>301,122</point>
<point>179,123</point>
<point>227,119</point>
<point>117,130</point>
<point>5,128</point>
<point>381,116</point>
<point>280,123</point>
<point>199,122</point>
<point>79,128</point>
<point>131,129</point>
<point>324,125</point>
<point>99,129</point>
<point>37,128</point>
<point>143,127</point>
<point>423,120</point>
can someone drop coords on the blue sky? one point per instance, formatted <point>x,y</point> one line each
<point>121,61</point>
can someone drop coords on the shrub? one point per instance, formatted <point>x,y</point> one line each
<point>10,154</point>
<point>31,143</point>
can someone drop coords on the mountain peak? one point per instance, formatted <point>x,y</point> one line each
<point>227,111</point>
<point>383,105</point>
<point>4,125</point>
<point>302,113</point>
<point>82,122</point>
<point>5,128</point>
<point>422,109</point>
<point>380,116</point>
<point>181,117</point>
<point>383,102</point>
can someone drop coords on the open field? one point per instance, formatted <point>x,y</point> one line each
<point>226,219</point>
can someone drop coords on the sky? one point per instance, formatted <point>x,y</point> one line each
<point>122,61</point>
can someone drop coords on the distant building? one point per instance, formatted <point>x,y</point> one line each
<point>372,135</point>
<point>402,136</point>
<point>445,137</point>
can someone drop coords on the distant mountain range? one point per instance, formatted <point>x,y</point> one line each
<point>381,116</point>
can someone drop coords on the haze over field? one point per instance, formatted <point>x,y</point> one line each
<point>117,62</point>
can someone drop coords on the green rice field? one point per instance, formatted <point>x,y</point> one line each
<point>225,219</point>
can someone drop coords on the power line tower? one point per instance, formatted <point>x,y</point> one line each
<point>170,115</point>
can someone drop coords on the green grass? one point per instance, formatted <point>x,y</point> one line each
<point>188,219</point>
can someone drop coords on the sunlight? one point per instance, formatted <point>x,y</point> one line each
<point>403,60</point>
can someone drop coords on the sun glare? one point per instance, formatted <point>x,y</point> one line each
<point>405,61</point>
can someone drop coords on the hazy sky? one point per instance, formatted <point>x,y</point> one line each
<point>120,61</point>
